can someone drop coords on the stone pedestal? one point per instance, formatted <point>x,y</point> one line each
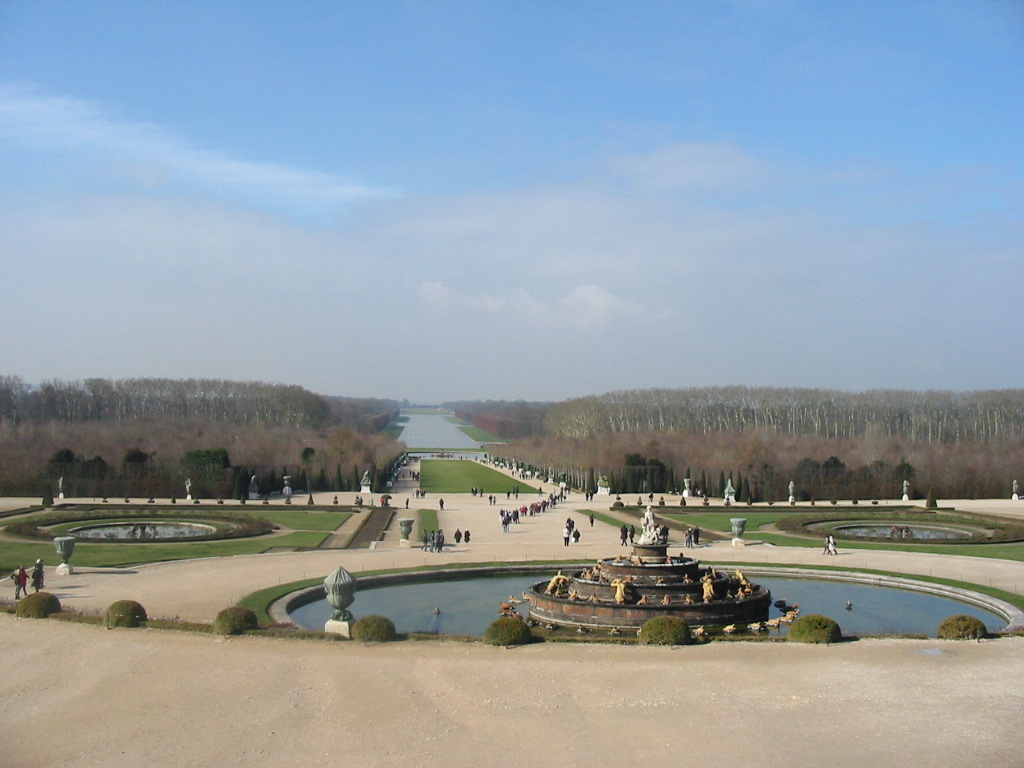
<point>364,488</point>
<point>604,490</point>
<point>792,499</point>
<point>906,497</point>
<point>343,628</point>
<point>739,543</point>
<point>64,569</point>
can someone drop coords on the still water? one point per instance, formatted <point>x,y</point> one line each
<point>435,431</point>
<point>467,606</point>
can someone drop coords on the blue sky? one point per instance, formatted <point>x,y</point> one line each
<point>531,200</point>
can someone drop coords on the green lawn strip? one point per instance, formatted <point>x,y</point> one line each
<point>428,520</point>
<point>117,555</point>
<point>601,517</point>
<point>481,436</point>
<point>447,476</point>
<point>259,602</point>
<point>305,521</point>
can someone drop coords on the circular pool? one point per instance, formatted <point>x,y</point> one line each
<point>466,606</point>
<point>903,531</point>
<point>143,531</point>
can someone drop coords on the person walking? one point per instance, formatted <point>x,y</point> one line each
<point>566,533</point>
<point>20,579</point>
<point>37,575</point>
<point>465,536</point>
<point>623,535</point>
<point>591,519</point>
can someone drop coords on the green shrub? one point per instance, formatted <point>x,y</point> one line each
<point>665,630</point>
<point>815,629</point>
<point>618,505</point>
<point>126,613</point>
<point>962,627</point>
<point>508,630</point>
<point>234,621</point>
<point>38,605</point>
<point>373,628</point>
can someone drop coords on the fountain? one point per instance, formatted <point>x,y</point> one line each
<point>627,591</point>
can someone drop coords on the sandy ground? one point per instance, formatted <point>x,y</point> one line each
<point>74,695</point>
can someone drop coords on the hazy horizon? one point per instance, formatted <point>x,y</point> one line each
<point>470,201</point>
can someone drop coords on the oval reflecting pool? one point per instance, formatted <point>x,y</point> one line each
<point>888,531</point>
<point>468,606</point>
<point>143,531</point>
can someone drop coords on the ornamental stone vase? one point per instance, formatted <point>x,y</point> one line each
<point>739,525</point>
<point>64,545</point>
<point>341,588</point>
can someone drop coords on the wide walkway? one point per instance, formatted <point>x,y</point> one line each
<point>197,589</point>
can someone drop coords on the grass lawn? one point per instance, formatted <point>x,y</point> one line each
<point>309,529</point>
<point>452,476</point>
<point>719,521</point>
<point>427,521</point>
<point>13,554</point>
<point>481,436</point>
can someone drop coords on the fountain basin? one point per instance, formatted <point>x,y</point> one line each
<point>143,531</point>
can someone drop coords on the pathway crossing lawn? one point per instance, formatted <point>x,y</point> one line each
<point>461,476</point>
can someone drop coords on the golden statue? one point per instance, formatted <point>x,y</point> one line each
<point>556,583</point>
<point>709,588</point>
<point>620,591</point>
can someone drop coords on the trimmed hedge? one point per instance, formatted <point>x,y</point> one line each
<point>665,630</point>
<point>508,630</point>
<point>815,629</point>
<point>373,628</point>
<point>962,627</point>
<point>126,613</point>
<point>38,605</point>
<point>234,621</point>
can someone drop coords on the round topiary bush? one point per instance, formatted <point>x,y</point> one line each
<point>508,630</point>
<point>665,630</point>
<point>815,629</point>
<point>962,627</point>
<point>373,628</point>
<point>234,621</point>
<point>126,613</point>
<point>38,605</point>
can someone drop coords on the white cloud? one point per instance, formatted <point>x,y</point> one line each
<point>434,293</point>
<point>77,126</point>
<point>713,166</point>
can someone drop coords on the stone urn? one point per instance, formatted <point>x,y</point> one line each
<point>739,525</point>
<point>405,526</point>
<point>64,545</point>
<point>341,588</point>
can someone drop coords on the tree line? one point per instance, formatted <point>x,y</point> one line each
<point>200,400</point>
<point>930,417</point>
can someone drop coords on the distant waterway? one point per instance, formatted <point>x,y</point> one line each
<point>435,431</point>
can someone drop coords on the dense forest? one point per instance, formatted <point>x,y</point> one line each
<point>831,444</point>
<point>144,437</point>
<point>932,417</point>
